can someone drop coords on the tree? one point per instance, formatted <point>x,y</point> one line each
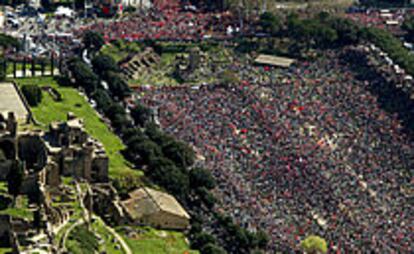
<point>103,64</point>
<point>15,179</point>
<point>117,86</point>
<point>348,32</point>
<point>164,172</point>
<point>83,75</point>
<point>314,245</point>
<point>3,71</point>
<point>201,239</point>
<point>132,133</point>
<point>143,150</point>
<point>270,23</point>
<point>408,26</point>
<point>114,110</point>
<point>180,153</point>
<point>206,197</point>
<point>260,239</point>
<point>212,249</point>
<point>120,122</point>
<point>156,135</point>
<point>93,41</point>
<point>33,94</point>
<point>7,41</point>
<point>102,99</point>
<point>141,114</point>
<point>201,177</point>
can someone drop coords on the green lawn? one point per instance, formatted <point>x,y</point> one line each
<point>5,250</point>
<point>108,245</point>
<point>153,241</point>
<point>49,110</point>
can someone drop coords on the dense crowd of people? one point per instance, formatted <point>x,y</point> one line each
<point>385,19</point>
<point>169,25</point>
<point>304,150</point>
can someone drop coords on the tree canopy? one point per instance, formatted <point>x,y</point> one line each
<point>408,27</point>
<point>93,41</point>
<point>102,64</point>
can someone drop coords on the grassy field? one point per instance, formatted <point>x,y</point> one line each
<point>152,241</point>
<point>107,245</point>
<point>5,250</point>
<point>49,111</point>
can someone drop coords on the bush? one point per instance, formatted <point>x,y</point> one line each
<point>206,197</point>
<point>117,86</point>
<point>102,64</point>
<point>141,151</point>
<point>180,153</point>
<point>212,249</point>
<point>141,114</point>
<point>314,245</point>
<point>164,172</point>
<point>33,94</point>
<point>202,239</point>
<point>3,71</point>
<point>102,99</point>
<point>93,40</point>
<point>270,23</point>
<point>83,75</point>
<point>200,177</point>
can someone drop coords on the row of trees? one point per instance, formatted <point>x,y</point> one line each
<point>392,46</point>
<point>324,31</point>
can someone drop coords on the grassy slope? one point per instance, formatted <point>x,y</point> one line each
<point>157,241</point>
<point>49,110</point>
<point>5,250</point>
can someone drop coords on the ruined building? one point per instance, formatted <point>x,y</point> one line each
<point>75,152</point>
<point>66,149</point>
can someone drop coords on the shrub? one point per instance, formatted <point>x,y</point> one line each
<point>212,249</point>
<point>200,177</point>
<point>33,94</point>
<point>141,114</point>
<point>314,245</point>
<point>202,239</point>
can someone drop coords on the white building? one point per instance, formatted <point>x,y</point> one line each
<point>145,4</point>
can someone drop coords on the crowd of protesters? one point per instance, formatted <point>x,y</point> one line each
<point>390,20</point>
<point>170,24</point>
<point>304,150</point>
